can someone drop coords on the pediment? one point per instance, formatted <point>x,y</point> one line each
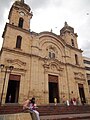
<point>79,75</point>
<point>17,63</point>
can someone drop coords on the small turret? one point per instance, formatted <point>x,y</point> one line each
<point>22,1</point>
<point>66,28</point>
<point>67,33</point>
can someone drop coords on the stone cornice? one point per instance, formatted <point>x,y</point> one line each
<point>15,51</point>
<point>45,59</point>
<point>20,52</point>
<point>77,66</point>
<point>20,69</point>
<point>14,27</point>
<point>76,49</point>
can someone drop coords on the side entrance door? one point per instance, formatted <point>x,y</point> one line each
<point>81,93</point>
<point>13,89</point>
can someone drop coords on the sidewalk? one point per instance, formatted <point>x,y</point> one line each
<point>66,116</point>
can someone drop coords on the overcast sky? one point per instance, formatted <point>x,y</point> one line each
<point>51,14</point>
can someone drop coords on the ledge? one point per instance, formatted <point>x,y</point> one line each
<point>19,116</point>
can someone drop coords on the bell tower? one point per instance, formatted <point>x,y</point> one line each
<point>67,33</point>
<point>15,50</point>
<point>20,15</point>
<point>17,32</point>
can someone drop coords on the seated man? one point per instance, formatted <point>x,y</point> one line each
<point>31,106</point>
<point>26,104</point>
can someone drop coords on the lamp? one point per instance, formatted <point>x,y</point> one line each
<point>1,66</point>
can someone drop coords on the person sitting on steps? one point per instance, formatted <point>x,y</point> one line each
<point>31,106</point>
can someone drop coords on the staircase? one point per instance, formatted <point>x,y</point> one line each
<point>10,109</point>
<point>59,109</point>
<point>52,112</point>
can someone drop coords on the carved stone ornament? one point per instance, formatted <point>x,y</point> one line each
<point>79,76</point>
<point>19,62</point>
<point>52,65</point>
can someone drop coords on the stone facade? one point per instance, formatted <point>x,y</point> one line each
<point>46,65</point>
<point>87,67</point>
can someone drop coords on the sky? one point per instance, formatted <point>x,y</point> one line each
<point>52,14</point>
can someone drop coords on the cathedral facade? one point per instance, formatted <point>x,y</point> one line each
<point>43,65</point>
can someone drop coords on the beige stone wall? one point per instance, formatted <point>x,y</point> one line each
<point>11,37</point>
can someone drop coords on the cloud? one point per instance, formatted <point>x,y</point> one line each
<point>35,4</point>
<point>4,10</point>
<point>4,6</point>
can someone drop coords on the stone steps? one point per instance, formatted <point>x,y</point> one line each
<point>84,116</point>
<point>58,110</point>
<point>47,112</point>
<point>52,109</point>
<point>10,108</point>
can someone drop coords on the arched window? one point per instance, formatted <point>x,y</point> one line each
<point>20,24</point>
<point>18,42</point>
<point>76,59</point>
<point>49,54</point>
<point>52,55</point>
<point>52,52</point>
<point>72,42</point>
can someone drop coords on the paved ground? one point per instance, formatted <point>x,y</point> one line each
<point>67,116</point>
<point>26,116</point>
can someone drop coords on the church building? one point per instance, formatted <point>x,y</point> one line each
<point>43,65</point>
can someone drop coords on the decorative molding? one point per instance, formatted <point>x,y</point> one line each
<point>17,61</point>
<point>52,65</point>
<point>18,69</point>
<point>18,65</point>
<point>79,76</point>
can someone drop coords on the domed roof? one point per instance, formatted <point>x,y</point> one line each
<point>67,28</point>
<point>22,4</point>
